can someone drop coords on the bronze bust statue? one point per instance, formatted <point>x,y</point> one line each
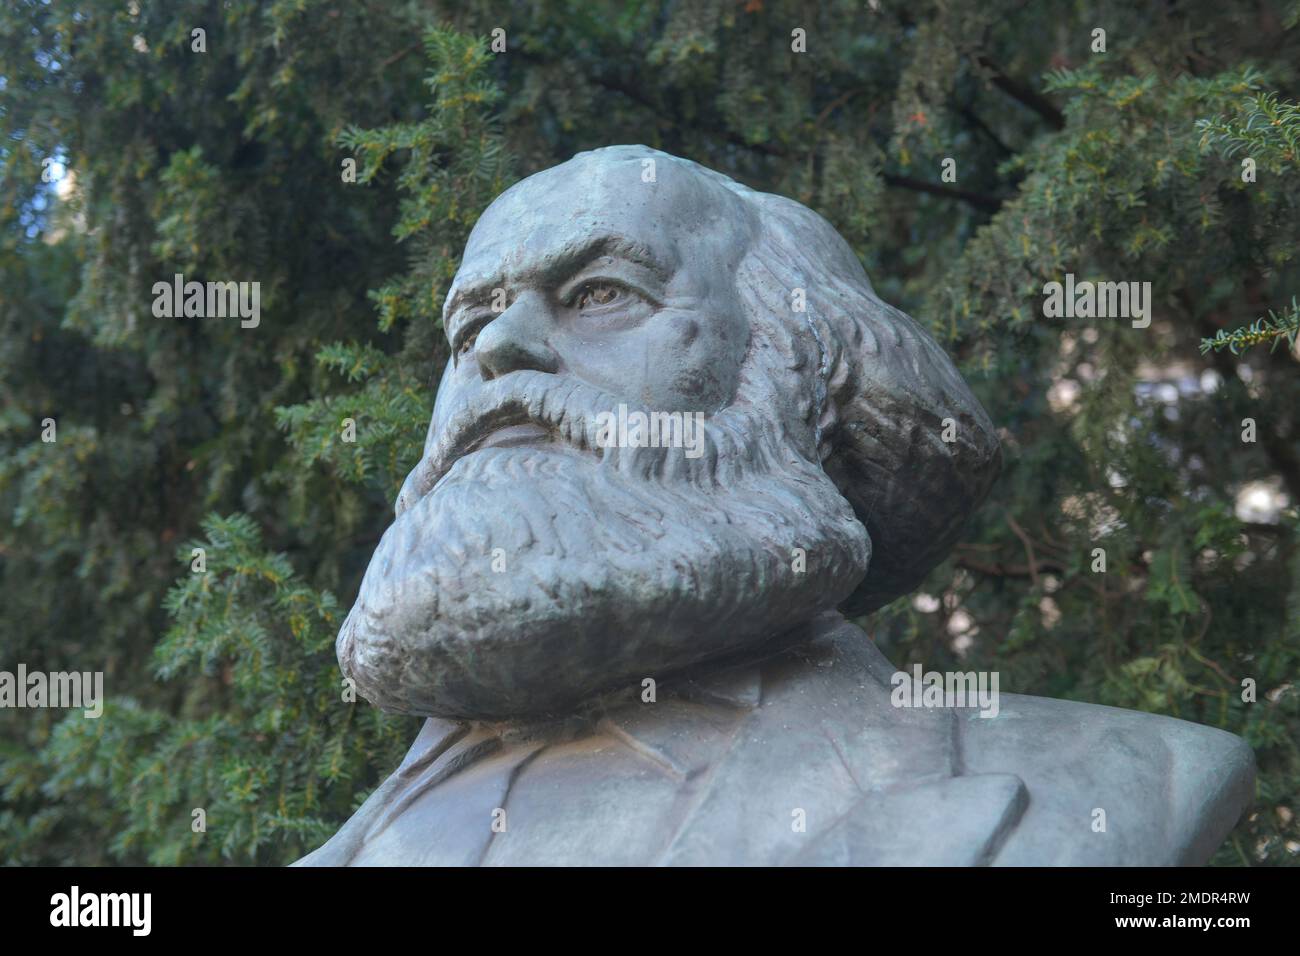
<point>629,642</point>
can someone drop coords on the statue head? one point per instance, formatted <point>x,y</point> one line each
<point>676,425</point>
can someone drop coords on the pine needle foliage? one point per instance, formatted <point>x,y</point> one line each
<point>970,152</point>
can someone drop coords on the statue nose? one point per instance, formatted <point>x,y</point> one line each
<point>516,340</point>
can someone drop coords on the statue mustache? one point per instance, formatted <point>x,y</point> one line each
<point>567,409</point>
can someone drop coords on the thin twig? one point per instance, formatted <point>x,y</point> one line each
<point>1029,547</point>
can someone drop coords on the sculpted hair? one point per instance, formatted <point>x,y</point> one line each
<point>878,390</point>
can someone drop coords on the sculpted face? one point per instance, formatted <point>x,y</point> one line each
<point>531,567</point>
<point>623,285</point>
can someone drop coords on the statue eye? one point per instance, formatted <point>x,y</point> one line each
<point>467,343</point>
<point>597,295</point>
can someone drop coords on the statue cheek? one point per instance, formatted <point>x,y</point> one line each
<point>702,388</point>
<point>687,330</point>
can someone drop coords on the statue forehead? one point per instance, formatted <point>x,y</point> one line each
<point>564,208</point>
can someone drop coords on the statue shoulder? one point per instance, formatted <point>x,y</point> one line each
<point>1109,786</point>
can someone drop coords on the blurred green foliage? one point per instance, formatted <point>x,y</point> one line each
<point>176,434</point>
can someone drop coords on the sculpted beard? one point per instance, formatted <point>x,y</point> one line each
<point>615,564</point>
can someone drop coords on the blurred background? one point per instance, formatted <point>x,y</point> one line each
<point>128,154</point>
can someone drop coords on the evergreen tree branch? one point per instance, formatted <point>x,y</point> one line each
<point>981,201</point>
<point>1021,92</point>
<point>1272,328</point>
<point>970,116</point>
<point>1279,449</point>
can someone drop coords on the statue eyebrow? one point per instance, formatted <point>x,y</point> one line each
<point>555,266</point>
<point>566,261</point>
